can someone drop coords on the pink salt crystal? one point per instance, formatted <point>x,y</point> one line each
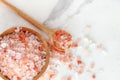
<point>66,78</point>
<point>18,29</point>
<point>93,76</point>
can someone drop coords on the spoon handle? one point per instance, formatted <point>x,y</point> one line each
<point>28,18</point>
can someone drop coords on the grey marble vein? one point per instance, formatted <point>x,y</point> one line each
<point>59,9</point>
<point>62,6</point>
<point>77,12</point>
<point>82,5</point>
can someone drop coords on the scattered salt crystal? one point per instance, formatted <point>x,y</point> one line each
<point>104,52</point>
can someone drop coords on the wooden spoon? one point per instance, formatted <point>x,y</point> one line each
<point>60,39</point>
<point>11,30</point>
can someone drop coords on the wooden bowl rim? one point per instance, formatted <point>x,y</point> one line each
<point>11,30</point>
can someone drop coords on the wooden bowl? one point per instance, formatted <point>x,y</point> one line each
<point>11,30</point>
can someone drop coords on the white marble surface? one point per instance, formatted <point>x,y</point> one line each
<point>103,16</point>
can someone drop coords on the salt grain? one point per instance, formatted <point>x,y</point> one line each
<point>3,45</point>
